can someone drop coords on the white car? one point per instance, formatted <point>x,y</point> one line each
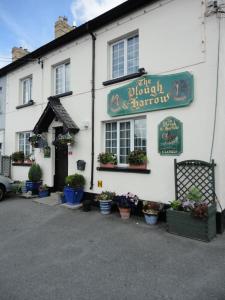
<point>5,186</point>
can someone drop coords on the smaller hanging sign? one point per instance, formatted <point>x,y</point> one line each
<point>170,137</point>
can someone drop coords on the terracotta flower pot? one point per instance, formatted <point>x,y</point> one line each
<point>139,167</point>
<point>108,165</point>
<point>124,213</point>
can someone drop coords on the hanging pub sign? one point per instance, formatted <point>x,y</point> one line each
<point>170,137</point>
<point>151,92</point>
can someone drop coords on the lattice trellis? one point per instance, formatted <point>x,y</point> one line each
<point>196,173</point>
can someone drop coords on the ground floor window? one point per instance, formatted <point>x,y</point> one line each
<point>24,144</point>
<point>122,137</point>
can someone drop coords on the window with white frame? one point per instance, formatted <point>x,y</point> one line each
<point>24,144</point>
<point>26,86</point>
<point>122,137</point>
<point>61,78</point>
<point>125,56</point>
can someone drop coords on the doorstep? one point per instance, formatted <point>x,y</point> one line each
<point>52,200</point>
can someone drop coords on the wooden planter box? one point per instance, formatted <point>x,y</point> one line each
<point>183,223</point>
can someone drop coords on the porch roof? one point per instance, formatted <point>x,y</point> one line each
<point>55,109</point>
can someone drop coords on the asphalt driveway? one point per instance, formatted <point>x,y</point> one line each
<point>52,253</point>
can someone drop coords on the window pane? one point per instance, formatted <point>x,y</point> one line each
<point>59,79</point>
<point>140,134</point>
<point>67,77</point>
<point>124,142</point>
<point>118,60</point>
<point>111,137</point>
<point>132,54</point>
<point>24,144</point>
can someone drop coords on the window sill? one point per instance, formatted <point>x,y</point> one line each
<point>126,77</point>
<point>125,170</point>
<point>62,95</point>
<point>31,102</point>
<point>22,164</point>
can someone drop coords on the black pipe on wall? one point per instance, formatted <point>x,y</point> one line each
<point>93,110</point>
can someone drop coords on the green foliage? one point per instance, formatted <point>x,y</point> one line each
<point>194,194</point>
<point>106,157</point>
<point>104,196</point>
<point>137,157</point>
<point>19,155</point>
<point>75,181</point>
<point>176,204</point>
<point>43,188</point>
<point>17,187</point>
<point>35,173</point>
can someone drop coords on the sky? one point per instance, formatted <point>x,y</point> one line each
<point>30,23</point>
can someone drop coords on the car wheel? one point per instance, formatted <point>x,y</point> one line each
<point>2,192</point>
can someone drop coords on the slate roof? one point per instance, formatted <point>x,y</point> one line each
<point>55,109</point>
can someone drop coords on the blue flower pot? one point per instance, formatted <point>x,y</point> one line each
<point>105,207</point>
<point>43,194</point>
<point>33,186</point>
<point>151,219</point>
<point>73,196</point>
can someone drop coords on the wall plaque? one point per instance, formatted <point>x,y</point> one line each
<point>170,137</point>
<point>151,92</point>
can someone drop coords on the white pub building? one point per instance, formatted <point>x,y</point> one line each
<point>145,75</point>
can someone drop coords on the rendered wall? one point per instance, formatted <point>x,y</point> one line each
<point>174,36</point>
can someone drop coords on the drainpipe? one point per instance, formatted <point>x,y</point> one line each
<point>92,109</point>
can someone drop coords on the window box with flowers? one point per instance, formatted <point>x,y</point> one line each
<point>137,159</point>
<point>107,160</point>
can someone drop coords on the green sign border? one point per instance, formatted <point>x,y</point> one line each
<point>181,137</point>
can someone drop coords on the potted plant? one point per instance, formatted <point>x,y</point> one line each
<point>107,160</point>
<point>194,217</point>
<point>43,191</point>
<point>74,189</point>
<point>105,200</point>
<point>34,140</point>
<point>64,139</point>
<point>34,175</point>
<point>137,159</point>
<point>125,202</point>
<point>18,157</point>
<point>151,211</point>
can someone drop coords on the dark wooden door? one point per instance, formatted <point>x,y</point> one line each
<point>61,163</point>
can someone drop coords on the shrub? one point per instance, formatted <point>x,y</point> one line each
<point>19,155</point>
<point>35,173</point>
<point>137,157</point>
<point>75,181</point>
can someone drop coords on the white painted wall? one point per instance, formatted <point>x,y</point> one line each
<point>173,37</point>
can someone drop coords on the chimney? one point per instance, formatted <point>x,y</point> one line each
<point>18,52</point>
<point>62,27</point>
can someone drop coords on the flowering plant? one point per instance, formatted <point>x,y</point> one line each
<point>151,208</point>
<point>193,203</point>
<point>105,196</point>
<point>127,200</point>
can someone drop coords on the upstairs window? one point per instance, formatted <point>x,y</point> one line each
<point>125,56</point>
<point>26,84</point>
<point>62,78</point>
<point>122,137</point>
<point>24,144</point>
